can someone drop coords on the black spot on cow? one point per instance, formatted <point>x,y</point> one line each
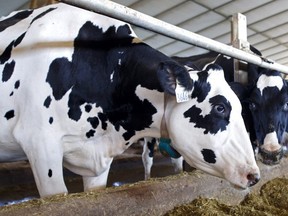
<point>42,14</point>
<point>11,94</point>
<point>47,102</point>
<point>151,144</point>
<point>50,120</point>
<point>74,103</point>
<point>5,56</point>
<point>17,84</point>
<point>209,155</point>
<point>90,133</point>
<point>10,114</point>
<point>19,39</point>
<point>127,135</point>
<point>120,116</point>
<point>93,121</point>
<point>88,108</point>
<point>49,173</point>
<point>83,72</point>
<point>127,143</point>
<point>103,119</point>
<point>216,120</point>
<point>60,77</point>
<point>8,71</point>
<point>201,87</point>
<point>14,19</point>
<point>96,54</point>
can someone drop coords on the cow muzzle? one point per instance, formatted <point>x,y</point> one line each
<point>253,179</point>
<point>270,157</point>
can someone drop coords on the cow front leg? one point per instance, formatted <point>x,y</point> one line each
<point>177,164</point>
<point>95,182</point>
<point>147,159</point>
<point>46,164</point>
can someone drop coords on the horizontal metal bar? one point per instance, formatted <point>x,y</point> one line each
<point>129,15</point>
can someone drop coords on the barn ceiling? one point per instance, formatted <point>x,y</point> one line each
<point>267,23</point>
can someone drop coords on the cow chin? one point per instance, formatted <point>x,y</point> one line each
<point>242,177</point>
<point>251,181</point>
<point>239,178</point>
<point>238,187</point>
<point>245,182</point>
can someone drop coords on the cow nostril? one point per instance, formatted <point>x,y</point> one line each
<point>253,179</point>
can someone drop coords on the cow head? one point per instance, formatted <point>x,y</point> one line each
<point>268,103</point>
<point>208,130</point>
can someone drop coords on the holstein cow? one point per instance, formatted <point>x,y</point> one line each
<point>78,88</point>
<point>199,62</point>
<point>268,103</point>
<point>264,100</point>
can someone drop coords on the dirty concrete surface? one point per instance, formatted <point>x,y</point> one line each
<point>153,197</point>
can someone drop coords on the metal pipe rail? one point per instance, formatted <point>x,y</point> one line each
<point>129,15</point>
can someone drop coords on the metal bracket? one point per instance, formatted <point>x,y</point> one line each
<point>239,41</point>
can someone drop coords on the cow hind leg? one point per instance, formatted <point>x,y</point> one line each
<point>147,157</point>
<point>177,164</point>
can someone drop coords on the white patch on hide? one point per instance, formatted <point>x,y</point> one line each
<point>111,76</point>
<point>271,142</point>
<point>269,81</point>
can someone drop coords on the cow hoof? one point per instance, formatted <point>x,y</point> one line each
<point>270,158</point>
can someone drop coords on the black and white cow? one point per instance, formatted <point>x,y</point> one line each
<point>268,103</point>
<point>78,88</point>
<point>264,100</point>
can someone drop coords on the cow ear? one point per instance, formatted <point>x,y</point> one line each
<point>171,73</point>
<point>252,69</point>
<point>253,74</point>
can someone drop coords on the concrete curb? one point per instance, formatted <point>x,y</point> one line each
<point>154,197</point>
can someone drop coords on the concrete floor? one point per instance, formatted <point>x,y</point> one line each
<point>153,197</point>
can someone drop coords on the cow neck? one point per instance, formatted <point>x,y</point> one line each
<point>165,143</point>
<point>163,127</point>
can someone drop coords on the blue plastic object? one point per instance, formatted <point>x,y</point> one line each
<point>166,149</point>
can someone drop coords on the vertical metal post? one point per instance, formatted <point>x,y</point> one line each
<point>239,41</point>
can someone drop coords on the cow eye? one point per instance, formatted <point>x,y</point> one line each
<point>252,106</point>
<point>219,108</point>
<point>285,107</point>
